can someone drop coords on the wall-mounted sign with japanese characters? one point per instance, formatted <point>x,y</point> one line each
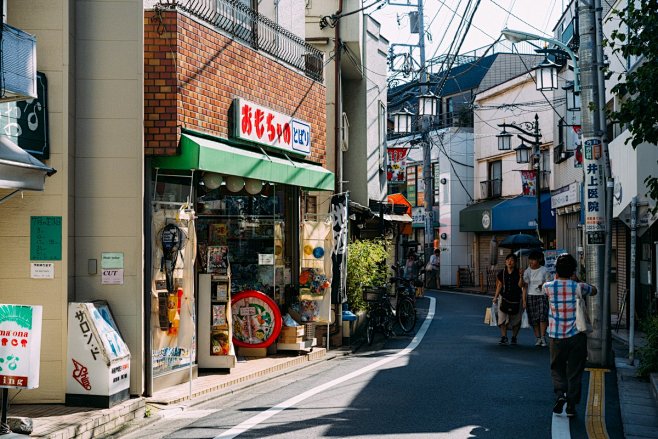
<point>98,360</point>
<point>397,164</point>
<point>264,126</point>
<point>20,344</point>
<point>594,185</point>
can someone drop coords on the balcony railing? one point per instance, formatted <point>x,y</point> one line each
<point>491,188</point>
<point>258,31</point>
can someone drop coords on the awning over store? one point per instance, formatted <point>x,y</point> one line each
<point>19,170</point>
<point>509,214</point>
<point>204,154</point>
<point>400,199</point>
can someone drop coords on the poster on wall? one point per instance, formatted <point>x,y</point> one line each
<point>217,259</point>
<point>20,346</point>
<point>256,319</point>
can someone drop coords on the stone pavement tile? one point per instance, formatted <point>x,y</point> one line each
<point>638,430</point>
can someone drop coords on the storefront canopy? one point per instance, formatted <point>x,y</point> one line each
<point>204,154</point>
<point>19,170</point>
<point>510,214</point>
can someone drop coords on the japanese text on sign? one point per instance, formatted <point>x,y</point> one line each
<point>594,190</point>
<point>259,124</point>
<point>87,333</point>
<point>46,238</point>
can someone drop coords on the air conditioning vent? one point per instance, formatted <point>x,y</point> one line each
<point>19,65</point>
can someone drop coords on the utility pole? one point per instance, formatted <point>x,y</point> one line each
<point>427,146</point>
<point>596,166</point>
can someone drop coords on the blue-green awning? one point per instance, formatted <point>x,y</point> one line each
<point>214,155</point>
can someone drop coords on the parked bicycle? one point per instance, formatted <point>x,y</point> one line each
<point>382,315</point>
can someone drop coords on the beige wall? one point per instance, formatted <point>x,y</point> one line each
<point>49,22</point>
<point>110,161</point>
<point>96,148</point>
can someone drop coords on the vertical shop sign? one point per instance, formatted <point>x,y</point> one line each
<point>397,161</point>
<point>267,127</point>
<point>594,191</point>
<point>26,122</point>
<point>411,185</point>
<point>20,345</point>
<point>46,238</point>
<point>338,252</point>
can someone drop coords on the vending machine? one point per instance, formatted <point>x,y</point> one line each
<point>215,349</point>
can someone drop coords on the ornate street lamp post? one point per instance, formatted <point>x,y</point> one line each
<point>523,153</point>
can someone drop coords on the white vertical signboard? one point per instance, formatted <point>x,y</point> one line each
<point>98,360</point>
<point>20,345</point>
<point>594,191</point>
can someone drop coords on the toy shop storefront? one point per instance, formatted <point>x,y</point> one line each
<point>233,247</point>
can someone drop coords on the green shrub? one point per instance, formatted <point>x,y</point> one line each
<point>366,265</point>
<point>648,354</point>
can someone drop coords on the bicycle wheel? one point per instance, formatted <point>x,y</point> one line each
<point>406,314</point>
<point>370,330</point>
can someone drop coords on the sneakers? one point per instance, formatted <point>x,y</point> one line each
<point>513,340</point>
<point>571,410</point>
<point>503,340</point>
<point>538,341</point>
<point>559,404</point>
<point>542,341</point>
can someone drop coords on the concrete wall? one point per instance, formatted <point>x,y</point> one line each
<point>109,158</point>
<point>51,23</point>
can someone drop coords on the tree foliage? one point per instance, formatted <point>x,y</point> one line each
<point>636,38</point>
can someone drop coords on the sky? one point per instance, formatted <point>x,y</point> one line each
<point>535,16</point>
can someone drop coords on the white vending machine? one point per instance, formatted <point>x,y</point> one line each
<point>98,360</point>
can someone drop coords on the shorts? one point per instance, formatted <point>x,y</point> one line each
<point>537,309</point>
<point>511,319</point>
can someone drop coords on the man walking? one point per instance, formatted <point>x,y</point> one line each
<point>568,345</point>
<point>432,275</point>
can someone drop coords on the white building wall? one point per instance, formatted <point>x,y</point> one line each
<point>508,103</point>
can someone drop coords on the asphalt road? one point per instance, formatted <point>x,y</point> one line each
<point>450,380</point>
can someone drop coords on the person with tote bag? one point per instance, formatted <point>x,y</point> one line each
<point>568,339</point>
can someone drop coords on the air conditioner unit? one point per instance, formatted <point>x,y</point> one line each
<point>19,65</point>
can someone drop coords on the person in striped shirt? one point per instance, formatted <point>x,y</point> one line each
<point>568,346</point>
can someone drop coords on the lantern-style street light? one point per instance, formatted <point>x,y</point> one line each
<point>524,151</point>
<point>573,98</point>
<point>504,141</point>
<point>402,121</point>
<point>546,76</point>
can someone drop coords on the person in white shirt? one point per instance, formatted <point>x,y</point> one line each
<point>432,279</point>
<point>533,279</point>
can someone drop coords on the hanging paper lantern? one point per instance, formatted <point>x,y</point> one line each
<point>212,180</point>
<point>234,183</point>
<point>318,252</point>
<point>253,186</point>
<point>308,250</point>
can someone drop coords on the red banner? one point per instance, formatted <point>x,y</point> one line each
<point>528,182</point>
<point>397,159</point>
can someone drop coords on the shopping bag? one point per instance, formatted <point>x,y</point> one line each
<point>524,320</point>
<point>494,315</point>
<point>487,316</point>
<point>583,323</point>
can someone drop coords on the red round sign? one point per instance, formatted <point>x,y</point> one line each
<point>256,319</point>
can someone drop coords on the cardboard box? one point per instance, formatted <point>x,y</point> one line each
<point>290,339</point>
<point>292,331</point>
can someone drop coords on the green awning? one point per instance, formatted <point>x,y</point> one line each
<point>478,217</point>
<point>200,153</point>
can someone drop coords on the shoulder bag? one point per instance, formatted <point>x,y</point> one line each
<point>583,323</point>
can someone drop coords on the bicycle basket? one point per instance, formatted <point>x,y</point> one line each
<point>373,294</point>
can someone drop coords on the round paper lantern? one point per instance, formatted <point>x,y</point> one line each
<point>308,250</point>
<point>253,186</point>
<point>234,183</point>
<point>212,180</point>
<point>318,252</point>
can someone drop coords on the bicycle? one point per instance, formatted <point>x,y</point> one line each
<point>405,309</point>
<point>381,314</point>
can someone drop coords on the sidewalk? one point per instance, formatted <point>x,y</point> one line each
<point>57,421</point>
<point>638,399</point>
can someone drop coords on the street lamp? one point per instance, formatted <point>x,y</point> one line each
<point>573,98</point>
<point>523,153</point>
<point>504,141</point>
<point>427,109</point>
<point>546,75</point>
<point>516,36</point>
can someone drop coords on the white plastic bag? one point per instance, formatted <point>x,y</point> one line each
<point>583,323</point>
<point>494,315</point>
<point>524,320</point>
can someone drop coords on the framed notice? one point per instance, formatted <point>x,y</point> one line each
<point>217,259</point>
<point>46,238</point>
